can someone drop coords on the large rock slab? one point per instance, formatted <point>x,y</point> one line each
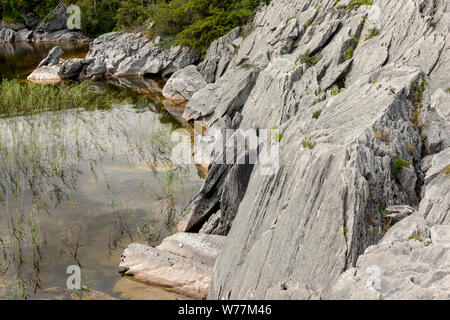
<point>56,20</point>
<point>45,73</point>
<point>219,55</point>
<point>225,97</point>
<point>320,211</point>
<point>353,109</point>
<point>182,263</point>
<point>166,269</point>
<point>199,247</point>
<point>183,84</point>
<point>414,264</point>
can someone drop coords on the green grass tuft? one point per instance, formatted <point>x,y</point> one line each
<point>23,98</point>
<point>400,163</point>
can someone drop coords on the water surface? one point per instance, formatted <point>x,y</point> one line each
<point>77,187</point>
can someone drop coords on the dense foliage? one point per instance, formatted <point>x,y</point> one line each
<point>195,23</point>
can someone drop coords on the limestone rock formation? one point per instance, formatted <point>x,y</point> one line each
<point>126,55</point>
<point>183,263</point>
<point>183,84</point>
<point>52,29</point>
<point>361,96</point>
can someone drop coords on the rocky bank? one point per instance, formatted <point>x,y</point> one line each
<point>361,95</point>
<point>52,29</point>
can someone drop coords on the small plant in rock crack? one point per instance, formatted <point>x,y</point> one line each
<point>446,170</point>
<point>308,143</point>
<point>417,235</point>
<point>372,33</point>
<point>317,114</point>
<point>309,60</point>
<point>276,134</point>
<point>447,90</point>
<point>355,4</point>
<point>400,163</point>
<point>348,54</point>
<point>336,91</point>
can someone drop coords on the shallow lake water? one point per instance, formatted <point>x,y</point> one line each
<point>77,187</point>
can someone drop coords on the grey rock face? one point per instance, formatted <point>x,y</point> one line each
<point>45,73</point>
<point>399,212</point>
<point>23,35</point>
<point>31,20</point>
<point>219,56</point>
<point>128,54</point>
<point>57,20</point>
<point>183,84</point>
<point>95,68</point>
<point>49,68</point>
<point>412,265</point>
<point>200,247</point>
<point>182,263</point>
<point>7,34</point>
<point>225,97</point>
<point>52,29</point>
<point>435,205</point>
<point>71,69</point>
<point>224,188</point>
<point>53,57</point>
<point>122,55</point>
<point>337,189</point>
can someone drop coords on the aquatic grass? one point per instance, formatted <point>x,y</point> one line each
<point>24,98</point>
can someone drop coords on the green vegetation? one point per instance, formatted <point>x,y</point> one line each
<point>446,170</point>
<point>348,54</point>
<point>309,60</point>
<point>372,33</point>
<point>308,143</point>
<point>277,135</point>
<point>355,4</point>
<point>447,90</point>
<point>417,235</point>
<point>317,114</point>
<point>336,91</point>
<point>400,163</point>
<point>195,23</point>
<point>19,98</point>
<point>418,96</point>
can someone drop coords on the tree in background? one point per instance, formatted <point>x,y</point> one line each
<point>194,23</point>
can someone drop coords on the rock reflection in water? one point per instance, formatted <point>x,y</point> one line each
<point>18,59</point>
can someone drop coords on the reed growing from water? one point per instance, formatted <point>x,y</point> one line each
<point>23,98</point>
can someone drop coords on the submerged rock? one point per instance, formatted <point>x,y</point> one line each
<point>183,263</point>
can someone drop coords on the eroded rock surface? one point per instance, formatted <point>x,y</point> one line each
<point>183,263</point>
<point>183,84</point>
<point>121,55</point>
<point>52,29</point>
<point>360,95</point>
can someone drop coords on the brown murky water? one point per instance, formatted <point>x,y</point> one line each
<point>77,187</point>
